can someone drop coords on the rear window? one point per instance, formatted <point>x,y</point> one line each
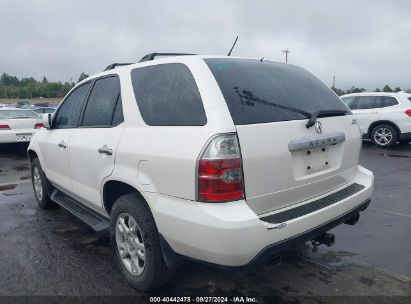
<point>13,114</point>
<point>260,92</point>
<point>167,95</point>
<point>388,101</point>
<point>367,102</point>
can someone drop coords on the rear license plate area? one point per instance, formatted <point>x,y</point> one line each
<point>316,159</point>
<point>23,137</point>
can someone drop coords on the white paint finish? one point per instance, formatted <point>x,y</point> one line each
<point>88,167</point>
<point>18,128</point>
<point>160,163</point>
<point>54,159</point>
<point>216,233</point>
<point>274,177</point>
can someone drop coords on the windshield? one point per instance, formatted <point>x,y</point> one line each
<point>13,114</point>
<point>261,92</point>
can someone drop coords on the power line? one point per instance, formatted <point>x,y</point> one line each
<point>364,31</point>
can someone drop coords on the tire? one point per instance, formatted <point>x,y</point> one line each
<point>39,182</point>
<point>141,239</point>
<point>384,136</point>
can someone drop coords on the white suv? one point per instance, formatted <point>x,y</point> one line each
<point>224,160</point>
<point>385,118</point>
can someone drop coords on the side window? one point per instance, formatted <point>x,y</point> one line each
<point>348,100</point>
<point>368,102</point>
<point>69,112</point>
<point>118,113</point>
<point>167,95</point>
<point>388,101</point>
<point>101,103</point>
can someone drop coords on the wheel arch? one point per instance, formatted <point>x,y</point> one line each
<point>31,154</point>
<point>113,189</point>
<point>382,122</point>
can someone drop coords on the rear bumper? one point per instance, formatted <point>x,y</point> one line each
<point>231,234</point>
<point>287,244</point>
<point>10,136</point>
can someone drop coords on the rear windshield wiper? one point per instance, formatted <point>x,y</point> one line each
<point>312,116</point>
<point>323,113</point>
<point>245,94</point>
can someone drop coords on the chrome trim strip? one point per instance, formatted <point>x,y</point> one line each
<point>316,141</point>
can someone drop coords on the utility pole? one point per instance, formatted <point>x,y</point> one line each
<point>71,80</point>
<point>333,82</point>
<point>286,55</point>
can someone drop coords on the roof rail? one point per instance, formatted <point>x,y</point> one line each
<point>114,65</point>
<point>152,56</point>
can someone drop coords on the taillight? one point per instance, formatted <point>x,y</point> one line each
<point>408,112</point>
<point>38,125</point>
<point>220,176</point>
<point>5,127</point>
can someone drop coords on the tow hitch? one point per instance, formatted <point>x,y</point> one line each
<point>326,239</point>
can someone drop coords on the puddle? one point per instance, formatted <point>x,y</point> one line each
<point>24,167</point>
<point>7,187</point>
<point>395,155</point>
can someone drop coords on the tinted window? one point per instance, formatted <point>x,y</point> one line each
<point>388,101</point>
<point>167,95</point>
<point>118,113</point>
<point>348,100</point>
<point>11,114</point>
<point>69,112</point>
<point>101,103</point>
<point>367,102</point>
<point>258,92</point>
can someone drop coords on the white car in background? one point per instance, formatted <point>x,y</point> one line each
<point>385,118</point>
<point>18,125</point>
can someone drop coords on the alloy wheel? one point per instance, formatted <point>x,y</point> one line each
<point>383,136</point>
<point>130,244</point>
<point>38,189</point>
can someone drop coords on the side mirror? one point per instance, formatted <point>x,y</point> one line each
<point>47,121</point>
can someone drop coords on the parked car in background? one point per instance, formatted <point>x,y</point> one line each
<point>27,106</point>
<point>44,110</point>
<point>42,104</point>
<point>229,161</point>
<point>385,118</point>
<point>17,125</point>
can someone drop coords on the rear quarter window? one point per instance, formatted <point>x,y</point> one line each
<point>167,95</point>
<point>388,101</point>
<point>262,92</point>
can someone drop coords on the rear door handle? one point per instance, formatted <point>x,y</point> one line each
<point>62,145</point>
<point>105,150</point>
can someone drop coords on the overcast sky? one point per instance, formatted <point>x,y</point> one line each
<point>362,43</point>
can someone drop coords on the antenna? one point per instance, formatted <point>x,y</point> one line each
<point>229,53</point>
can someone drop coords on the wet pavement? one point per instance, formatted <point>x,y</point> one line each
<point>53,253</point>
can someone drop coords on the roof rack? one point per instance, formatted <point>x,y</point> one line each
<point>147,57</point>
<point>114,65</point>
<point>152,56</point>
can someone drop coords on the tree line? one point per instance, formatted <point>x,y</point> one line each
<point>354,89</point>
<point>28,87</point>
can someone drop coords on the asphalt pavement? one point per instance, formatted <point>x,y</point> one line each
<point>52,253</point>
